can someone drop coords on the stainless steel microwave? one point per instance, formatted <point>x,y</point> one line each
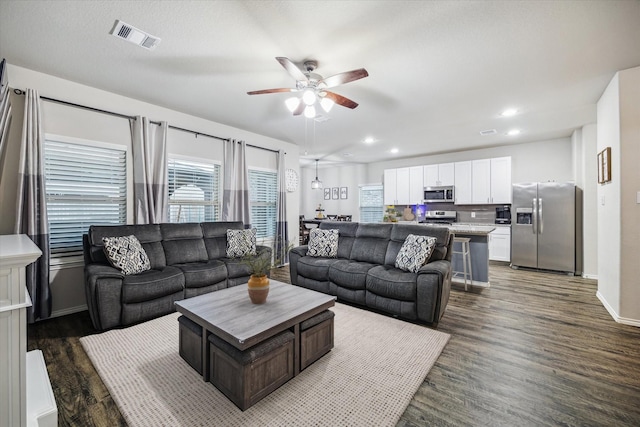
<point>443,194</point>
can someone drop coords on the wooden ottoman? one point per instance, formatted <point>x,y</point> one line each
<point>316,337</point>
<point>247,376</point>
<point>191,343</point>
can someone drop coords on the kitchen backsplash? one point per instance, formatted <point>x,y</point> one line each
<point>476,214</point>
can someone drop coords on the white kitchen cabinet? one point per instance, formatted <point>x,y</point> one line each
<point>500,244</point>
<point>439,175</point>
<point>416,185</point>
<point>462,183</point>
<point>390,180</point>
<point>403,196</point>
<point>501,180</point>
<point>481,181</point>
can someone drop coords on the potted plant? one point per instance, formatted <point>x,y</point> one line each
<point>259,267</point>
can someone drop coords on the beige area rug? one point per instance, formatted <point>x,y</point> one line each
<point>368,379</point>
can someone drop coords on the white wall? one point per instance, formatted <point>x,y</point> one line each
<point>67,283</point>
<point>618,212</point>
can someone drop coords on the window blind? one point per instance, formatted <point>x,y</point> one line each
<point>371,203</point>
<point>193,191</point>
<point>84,185</point>
<point>263,194</point>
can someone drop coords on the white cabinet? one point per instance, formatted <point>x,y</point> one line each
<point>500,244</point>
<point>501,180</point>
<point>403,186</point>
<point>481,181</point>
<point>439,175</point>
<point>462,183</point>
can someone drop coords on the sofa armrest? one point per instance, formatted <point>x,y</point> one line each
<point>294,255</point>
<point>433,288</point>
<point>103,291</point>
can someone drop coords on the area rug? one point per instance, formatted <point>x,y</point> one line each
<point>368,379</point>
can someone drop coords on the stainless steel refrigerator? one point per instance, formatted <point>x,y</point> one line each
<point>544,232</point>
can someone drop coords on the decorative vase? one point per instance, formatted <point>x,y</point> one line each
<point>258,287</point>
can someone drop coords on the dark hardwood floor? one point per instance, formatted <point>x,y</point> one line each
<point>535,349</point>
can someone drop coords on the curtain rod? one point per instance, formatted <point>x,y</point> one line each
<point>124,116</point>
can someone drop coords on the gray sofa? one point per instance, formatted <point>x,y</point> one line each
<point>364,273</point>
<point>186,259</point>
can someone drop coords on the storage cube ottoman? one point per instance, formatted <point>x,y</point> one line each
<point>190,347</point>
<point>316,337</point>
<point>261,368</point>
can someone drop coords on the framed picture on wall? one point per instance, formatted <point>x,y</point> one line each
<point>334,193</point>
<point>327,194</point>
<point>343,192</point>
<point>600,181</point>
<point>604,165</point>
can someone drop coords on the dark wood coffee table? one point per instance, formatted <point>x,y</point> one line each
<point>229,315</point>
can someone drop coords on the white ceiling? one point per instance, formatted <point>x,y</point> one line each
<point>439,71</point>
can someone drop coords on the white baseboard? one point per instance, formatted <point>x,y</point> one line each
<point>614,315</point>
<point>590,276</point>
<point>69,310</point>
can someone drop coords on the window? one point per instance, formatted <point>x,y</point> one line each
<point>85,185</point>
<point>263,194</point>
<point>371,203</point>
<point>193,191</point>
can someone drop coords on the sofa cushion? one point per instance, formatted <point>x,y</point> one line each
<point>315,268</point>
<point>148,235</point>
<point>126,254</point>
<point>241,243</point>
<point>371,243</point>
<point>323,243</point>
<point>415,252</point>
<point>152,284</point>
<point>349,274</point>
<point>391,282</point>
<point>199,274</point>
<point>400,232</point>
<point>346,235</point>
<point>215,236</point>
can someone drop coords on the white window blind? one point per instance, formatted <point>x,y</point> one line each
<point>85,185</point>
<point>263,193</point>
<point>193,191</point>
<point>371,203</point>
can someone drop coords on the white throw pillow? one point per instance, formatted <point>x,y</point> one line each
<point>126,254</point>
<point>415,252</point>
<point>323,243</point>
<point>241,243</point>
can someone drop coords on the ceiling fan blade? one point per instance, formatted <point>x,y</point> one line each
<point>342,78</point>
<point>278,90</point>
<point>340,100</point>
<point>300,109</point>
<point>292,69</point>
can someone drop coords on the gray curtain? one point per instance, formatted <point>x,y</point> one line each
<point>282,233</point>
<point>31,206</point>
<point>150,183</point>
<point>235,194</point>
<point>5,110</point>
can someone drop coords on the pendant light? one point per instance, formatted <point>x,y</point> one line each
<point>316,183</point>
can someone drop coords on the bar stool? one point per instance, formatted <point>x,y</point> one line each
<point>466,260</point>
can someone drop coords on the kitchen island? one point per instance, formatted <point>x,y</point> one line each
<point>479,250</point>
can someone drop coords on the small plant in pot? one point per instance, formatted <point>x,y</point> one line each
<point>260,267</point>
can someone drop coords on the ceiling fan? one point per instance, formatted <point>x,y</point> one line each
<point>314,88</point>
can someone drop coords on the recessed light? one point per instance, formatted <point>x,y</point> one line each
<point>394,150</point>
<point>509,112</point>
<point>368,140</point>
<point>513,132</point>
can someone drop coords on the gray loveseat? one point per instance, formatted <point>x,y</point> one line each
<point>364,273</point>
<point>186,260</point>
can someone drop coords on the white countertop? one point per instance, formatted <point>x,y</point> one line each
<point>471,229</point>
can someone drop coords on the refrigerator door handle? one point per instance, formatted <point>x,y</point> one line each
<point>534,214</point>
<point>541,225</point>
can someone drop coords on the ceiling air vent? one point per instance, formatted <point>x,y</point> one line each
<point>488,132</point>
<point>134,35</point>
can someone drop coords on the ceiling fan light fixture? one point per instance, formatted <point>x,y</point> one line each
<point>327,104</point>
<point>309,97</point>
<point>310,111</point>
<point>292,103</point>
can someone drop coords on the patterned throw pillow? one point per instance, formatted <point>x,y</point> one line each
<point>415,252</point>
<point>323,243</point>
<point>241,243</point>
<point>127,254</point>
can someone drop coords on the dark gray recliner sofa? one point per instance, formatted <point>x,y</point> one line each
<point>187,259</point>
<point>364,271</point>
